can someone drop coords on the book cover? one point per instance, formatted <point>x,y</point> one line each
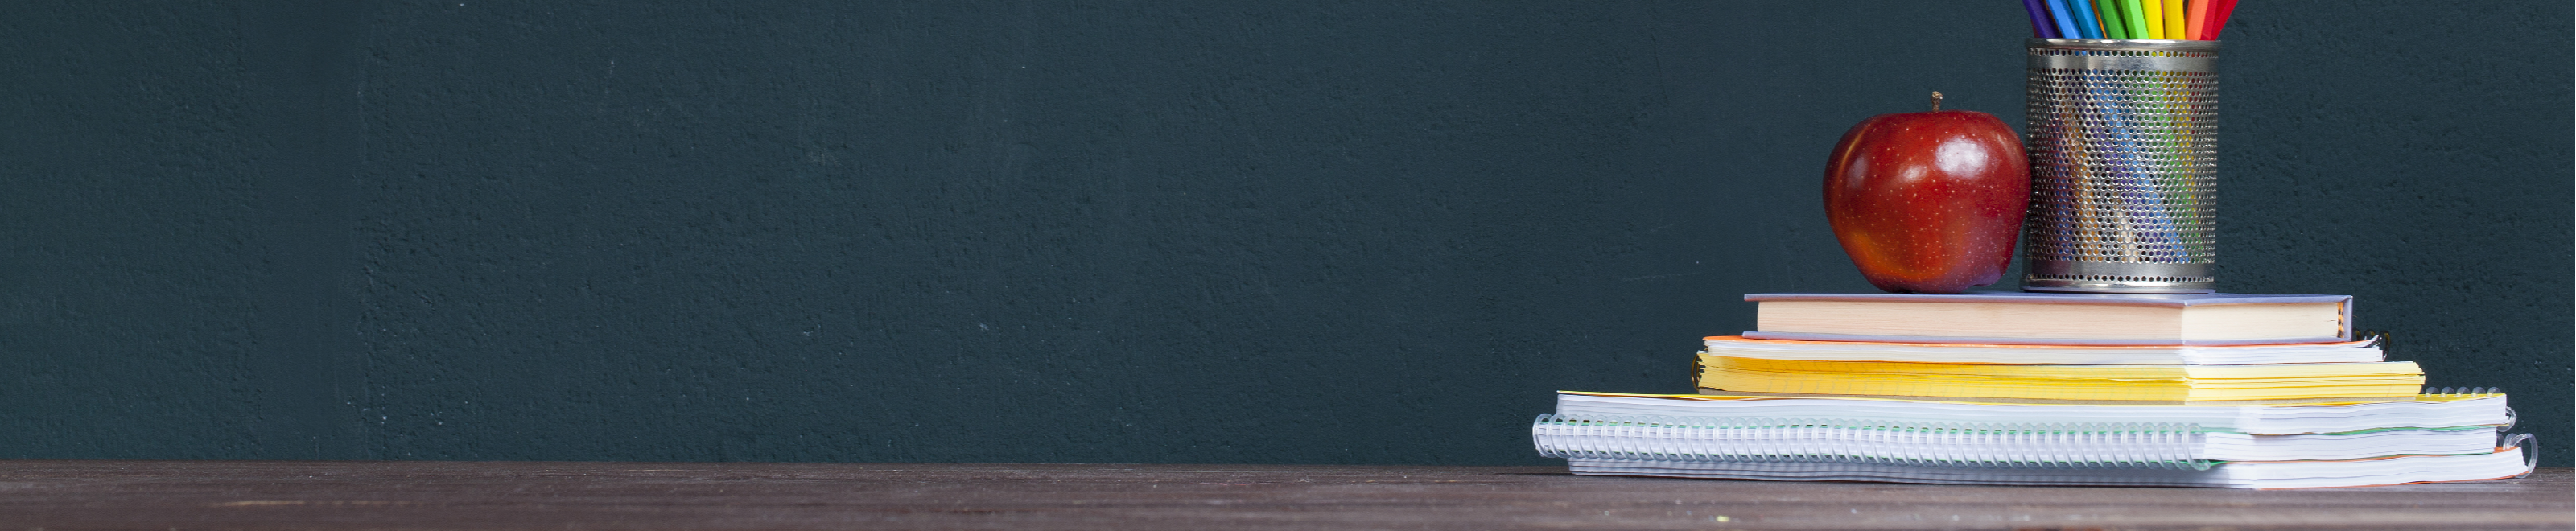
<point>1910,304</point>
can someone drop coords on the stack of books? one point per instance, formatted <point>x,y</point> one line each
<point>2199,390</point>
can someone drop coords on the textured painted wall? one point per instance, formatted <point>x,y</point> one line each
<point>128,261</point>
<point>1178,232</point>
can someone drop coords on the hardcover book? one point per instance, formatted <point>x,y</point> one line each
<point>2054,318</point>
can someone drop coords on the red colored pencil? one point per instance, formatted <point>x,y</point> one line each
<point>2196,20</point>
<point>2218,21</point>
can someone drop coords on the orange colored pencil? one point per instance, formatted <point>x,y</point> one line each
<point>2197,23</point>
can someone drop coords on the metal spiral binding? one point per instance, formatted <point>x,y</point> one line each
<point>2530,454</point>
<point>2511,418</point>
<point>2454,391</point>
<point>1942,444</point>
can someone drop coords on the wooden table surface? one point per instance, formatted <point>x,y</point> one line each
<point>64,495</point>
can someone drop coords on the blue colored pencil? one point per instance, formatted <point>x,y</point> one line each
<point>2039,24</point>
<point>2085,21</point>
<point>2065,22</point>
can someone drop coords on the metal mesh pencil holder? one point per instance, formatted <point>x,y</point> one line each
<point>2123,142</point>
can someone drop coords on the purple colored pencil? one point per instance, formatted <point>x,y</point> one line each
<point>2040,25</point>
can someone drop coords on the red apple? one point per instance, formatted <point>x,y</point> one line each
<point>1928,202</point>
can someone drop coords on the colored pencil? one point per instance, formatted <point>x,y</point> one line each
<point>2179,20</point>
<point>2218,20</point>
<point>2066,23</point>
<point>2085,20</point>
<point>2174,23</point>
<point>2109,12</point>
<point>2137,18</point>
<point>2154,16</point>
<point>2198,25</point>
<point>2119,14</point>
<point>2039,24</point>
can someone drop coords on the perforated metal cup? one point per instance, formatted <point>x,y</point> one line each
<point>2123,144</point>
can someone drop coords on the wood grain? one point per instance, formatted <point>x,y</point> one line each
<point>60,495</point>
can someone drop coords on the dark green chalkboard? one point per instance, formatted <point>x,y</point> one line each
<point>1264,232</point>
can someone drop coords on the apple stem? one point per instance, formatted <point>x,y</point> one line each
<point>1936,101</point>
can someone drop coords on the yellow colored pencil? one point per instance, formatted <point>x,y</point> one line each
<point>2176,19</point>
<point>2155,18</point>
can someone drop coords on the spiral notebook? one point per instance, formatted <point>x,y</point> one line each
<point>1980,444</point>
<point>2501,464</point>
<point>2432,437</point>
<point>2435,408</point>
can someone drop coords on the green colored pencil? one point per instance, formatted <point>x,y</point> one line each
<point>2136,15</point>
<point>2112,26</point>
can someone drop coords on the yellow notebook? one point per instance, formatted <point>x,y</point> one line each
<point>2158,383</point>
